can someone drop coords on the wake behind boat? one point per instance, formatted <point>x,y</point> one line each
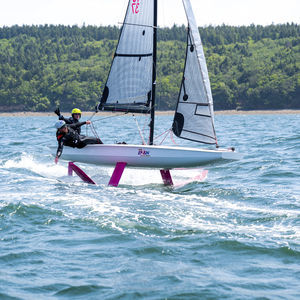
<point>131,88</point>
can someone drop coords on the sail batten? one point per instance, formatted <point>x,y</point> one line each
<point>199,104</point>
<point>194,116</point>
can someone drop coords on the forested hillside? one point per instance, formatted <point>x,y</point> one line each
<point>250,67</point>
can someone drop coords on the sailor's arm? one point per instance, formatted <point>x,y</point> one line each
<point>79,124</point>
<point>61,117</point>
<point>67,120</point>
<point>59,150</point>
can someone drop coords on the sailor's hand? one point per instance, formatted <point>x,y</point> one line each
<point>57,111</point>
<point>56,159</point>
<point>88,122</point>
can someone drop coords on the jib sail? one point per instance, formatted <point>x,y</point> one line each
<point>194,116</point>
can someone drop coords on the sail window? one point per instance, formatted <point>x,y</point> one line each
<point>202,110</point>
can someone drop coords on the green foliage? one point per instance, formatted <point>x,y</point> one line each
<point>250,67</point>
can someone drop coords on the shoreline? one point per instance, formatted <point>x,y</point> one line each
<point>160,113</point>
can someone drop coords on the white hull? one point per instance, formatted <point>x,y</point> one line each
<point>146,156</point>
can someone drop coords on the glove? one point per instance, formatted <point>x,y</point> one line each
<point>56,160</point>
<point>57,111</point>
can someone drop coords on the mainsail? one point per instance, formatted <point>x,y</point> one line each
<point>130,82</point>
<point>194,117</point>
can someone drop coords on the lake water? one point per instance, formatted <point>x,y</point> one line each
<point>235,235</point>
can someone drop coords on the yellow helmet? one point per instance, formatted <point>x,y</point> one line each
<point>76,111</point>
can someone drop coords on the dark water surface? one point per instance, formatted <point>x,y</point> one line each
<point>233,236</point>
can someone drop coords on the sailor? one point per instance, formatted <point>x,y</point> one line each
<point>76,115</point>
<point>67,135</point>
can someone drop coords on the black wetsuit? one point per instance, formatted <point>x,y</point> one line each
<point>73,139</point>
<point>71,120</point>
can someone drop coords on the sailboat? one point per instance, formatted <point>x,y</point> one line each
<point>130,88</point>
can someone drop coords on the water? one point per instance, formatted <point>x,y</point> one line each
<point>233,236</point>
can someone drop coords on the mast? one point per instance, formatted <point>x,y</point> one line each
<point>153,73</point>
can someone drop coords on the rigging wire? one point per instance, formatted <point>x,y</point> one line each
<point>93,129</point>
<point>141,132</point>
<point>166,133</point>
<point>139,129</point>
<point>113,116</point>
<point>146,120</point>
<point>172,138</point>
<point>164,138</point>
<point>86,131</point>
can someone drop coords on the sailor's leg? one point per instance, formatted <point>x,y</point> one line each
<point>85,140</point>
<point>117,173</point>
